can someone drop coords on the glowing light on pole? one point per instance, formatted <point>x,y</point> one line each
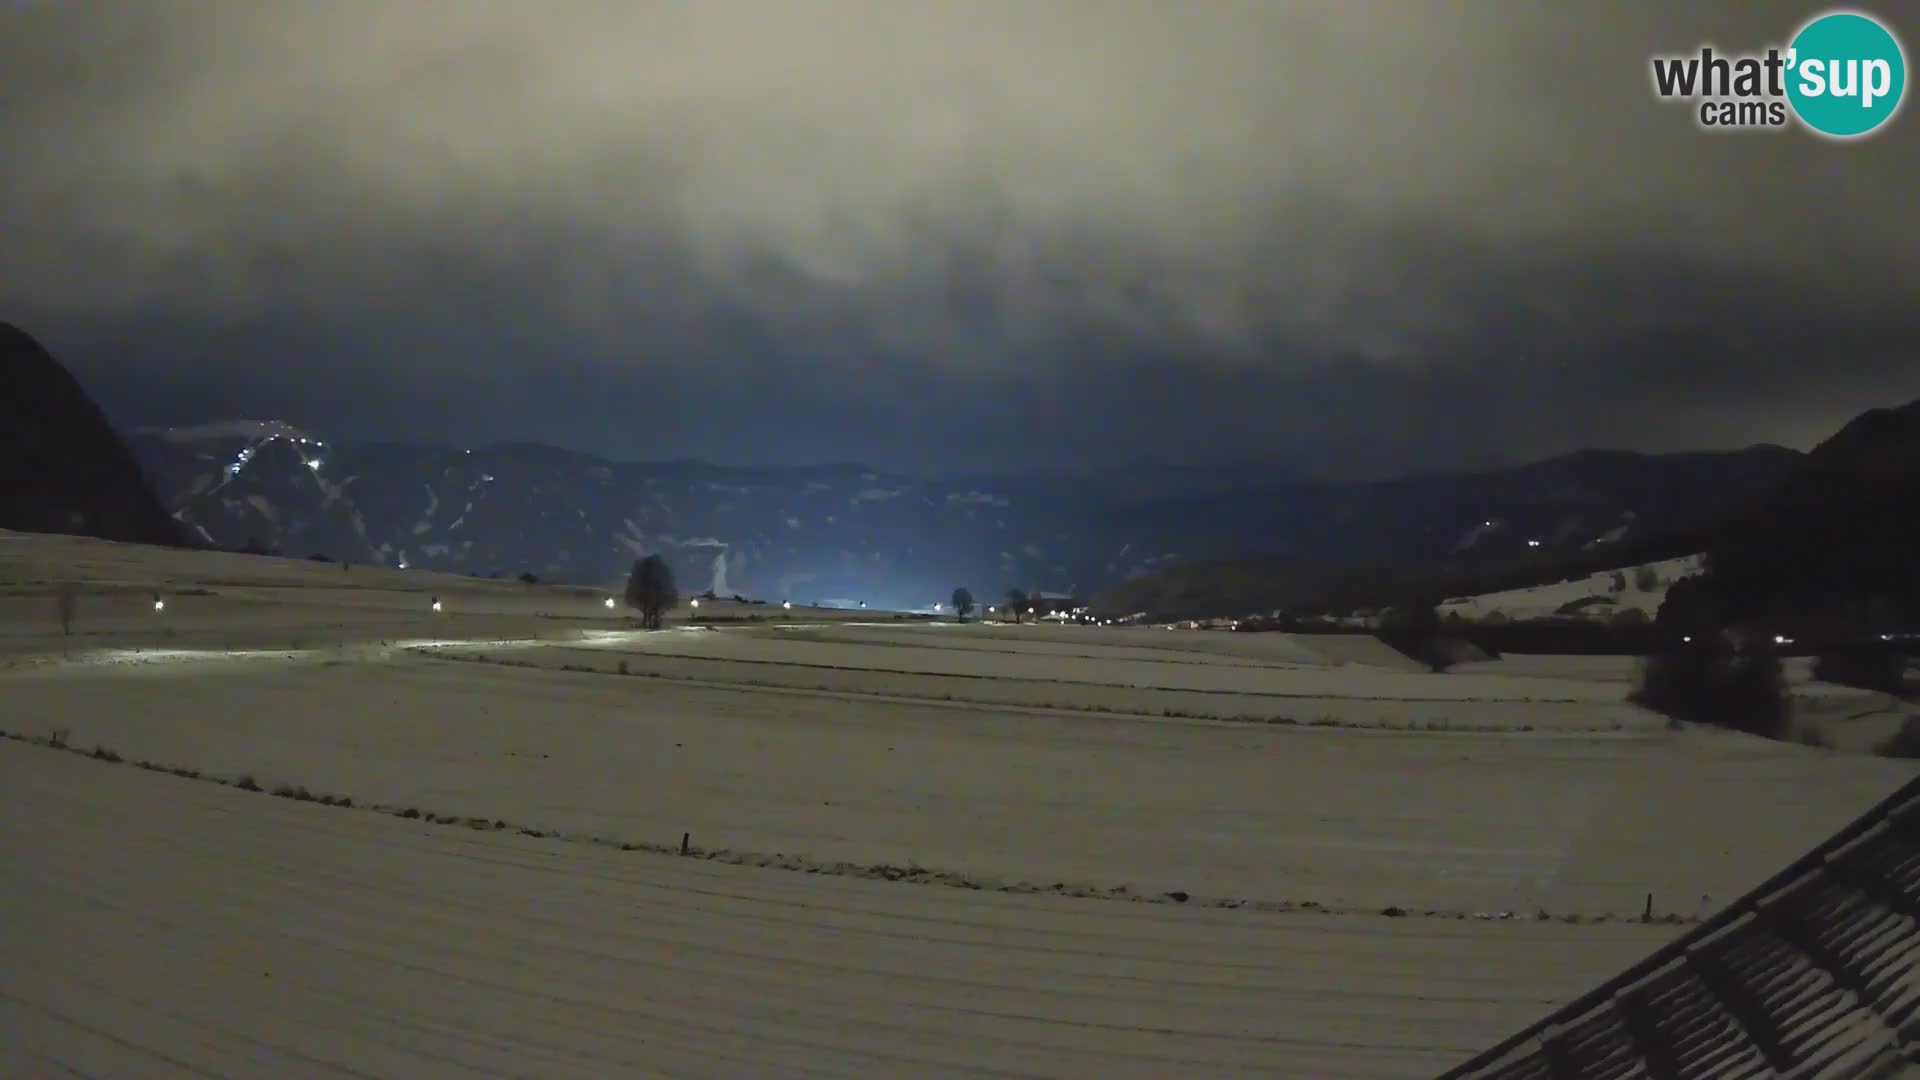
<point>609,601</point>
<point>436,603</point>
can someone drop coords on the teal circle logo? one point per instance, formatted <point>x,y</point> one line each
<point>1847,74</point>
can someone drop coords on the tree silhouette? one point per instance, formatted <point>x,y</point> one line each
<point>1017,602</point>
<point>650,590</point>
<point>963,602</point>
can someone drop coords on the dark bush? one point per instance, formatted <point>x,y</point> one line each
<point>1874,666</point>
<point>528,577</point>
<point>1904,743</point>
<point>1706,681</point>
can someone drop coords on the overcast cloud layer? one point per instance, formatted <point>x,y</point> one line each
<point>1357,236</point>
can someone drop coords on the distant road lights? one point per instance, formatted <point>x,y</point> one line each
<point>609,602</point>
<point>863,603</point>
<point>1533,543</point>
<point>436,603</point>
<point>696,601</point>
<point>159,604</point>
<point>788,604</point>
<point>1782,639</point>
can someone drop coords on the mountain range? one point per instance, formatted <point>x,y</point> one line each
<point>833,534</point>
<point>842,534</point>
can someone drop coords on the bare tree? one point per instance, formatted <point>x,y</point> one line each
<point>1017,602</point>
<point>650,590</point>
<point>66,600</point>
<point>963,602</point>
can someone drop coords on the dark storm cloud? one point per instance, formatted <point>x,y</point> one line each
<point>1373,235</point>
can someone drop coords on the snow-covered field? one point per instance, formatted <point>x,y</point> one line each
<point>912,849</point>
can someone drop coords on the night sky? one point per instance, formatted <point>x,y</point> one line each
<point>1358,238</point>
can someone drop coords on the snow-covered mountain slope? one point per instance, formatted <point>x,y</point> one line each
<point>809,533</point>
<point>1598,596</point>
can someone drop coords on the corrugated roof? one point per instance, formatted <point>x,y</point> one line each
<point>1816,973</point>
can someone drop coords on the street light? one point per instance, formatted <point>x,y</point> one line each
<point>696,601</point>
<point>159,604</point>
<point>788,604</point>
<point>436,603</point>
<point>609,603</point>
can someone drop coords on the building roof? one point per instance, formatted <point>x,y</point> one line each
<point>1815,973</point>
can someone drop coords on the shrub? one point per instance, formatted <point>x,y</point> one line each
<point>1646,579</point>
<point>1707,682</point>
<point>1618,582</point>
<point>1904,743</point>
<point>528,577</point>
<point>1875,666</point>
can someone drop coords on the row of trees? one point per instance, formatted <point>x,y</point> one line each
<point>1018,603</point>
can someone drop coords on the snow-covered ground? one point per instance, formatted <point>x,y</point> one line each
<point>1544,600</point>
<point>1097,879</point>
